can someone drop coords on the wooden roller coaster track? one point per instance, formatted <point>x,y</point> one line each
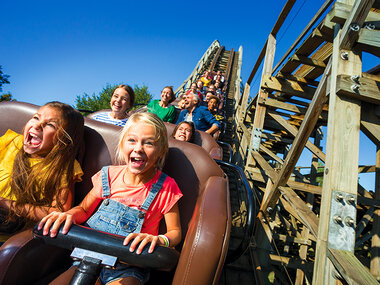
<point>321,226</point>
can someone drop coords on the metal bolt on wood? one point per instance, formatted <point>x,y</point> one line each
<point>344,55</point>
<point>355,78</point>
<point>354,27</point>
<point>349,221</point>
<point>338,219</point>
<point>351,200</point>
<point>339,197</point>
<point>355,88</point>
<point>369,26</point>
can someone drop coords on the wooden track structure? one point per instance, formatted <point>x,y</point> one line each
<point>309,232</point>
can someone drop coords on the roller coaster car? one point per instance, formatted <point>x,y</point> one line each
<point>204,210</point>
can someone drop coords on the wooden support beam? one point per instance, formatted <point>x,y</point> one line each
<point>293,131</point>
<point>276,104</point>
<point>338,15</point>
<point>271,154</point>
<point>305,187</point>
<point>301,139</point>
<point>290,262</point>
<point>264,165</point>
<point>357,17</point>
<point>341,165</point>
<point>307,216</point>
<point>375,77</point>
<point>369,202</point>
<point>351,269</point>
<point>320,12</point>
<point>288,87</point>
<point>364,222</point>
<point>370,122</point>
<point>298,79</point>
<point>276,138</point>
<point>300,275</point>
<point>369,41</point>
<point>366,168</point>
<point>268,63</point>
<point>260,111</point>
<point>322,54</point>
<point>291,239</point>
<point>375,242</point>
<point>293,214</point>
<point>308,61</point>
<point>341,11</point>
<point>360,88</point>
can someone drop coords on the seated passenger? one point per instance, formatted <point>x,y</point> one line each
<point>122,100</point>
<point>194,90</point>
<point>206,78</point>
<point>211,88</point>
<point>184,131</point>
<point>200,88</point>
<point>181,104</point>
<point>213,107</point>
<point>218,88</point>
<point>38,168</point>
<point>133,195</point>
<point>161,107</point>
<point>199,115</point>
<point>207,98</point>
<point>219,76</point>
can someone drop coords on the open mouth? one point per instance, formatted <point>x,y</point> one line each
<point>137,162</point>
<point>33,140</point>
<point>182,137</point>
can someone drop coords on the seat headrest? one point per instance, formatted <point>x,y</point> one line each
<point>14,115</point>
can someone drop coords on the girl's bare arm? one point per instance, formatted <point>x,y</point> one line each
<point>76,215</point>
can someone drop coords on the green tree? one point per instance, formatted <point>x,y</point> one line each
<point>102,100</point>
<point>3,78</point>
<point>6,97</point>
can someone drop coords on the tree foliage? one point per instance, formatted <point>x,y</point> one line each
<point>102,100</point>
<point>3,78</point>
<point>6,97</point>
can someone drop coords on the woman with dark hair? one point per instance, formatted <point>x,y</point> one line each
<point>184,131</point>
<point>122,100</point>
<point>162,108</point>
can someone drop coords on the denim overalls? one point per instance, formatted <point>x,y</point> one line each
<point>116,218</point>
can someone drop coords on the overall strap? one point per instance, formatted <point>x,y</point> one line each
<point>156,187</point>
<point>105,182</point>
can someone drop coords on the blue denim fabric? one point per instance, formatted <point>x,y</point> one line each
<point>123,271</point>
<point>202,118</point>
<point>117,218</point>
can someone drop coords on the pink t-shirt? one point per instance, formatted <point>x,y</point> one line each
<point>134,196</point>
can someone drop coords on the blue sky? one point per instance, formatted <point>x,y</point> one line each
<point>56,50</point>
<point>61,49</point>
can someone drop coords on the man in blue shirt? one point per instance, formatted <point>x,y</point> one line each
<point>199,115</point>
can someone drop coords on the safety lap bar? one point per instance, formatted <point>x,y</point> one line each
<point>162,258</point>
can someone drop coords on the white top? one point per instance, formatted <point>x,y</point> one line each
<point>105,117</point>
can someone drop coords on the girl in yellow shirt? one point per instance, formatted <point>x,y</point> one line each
<point>38,169</point>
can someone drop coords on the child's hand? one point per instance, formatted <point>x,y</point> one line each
<point>53,221</point>
<point>143,239</point>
